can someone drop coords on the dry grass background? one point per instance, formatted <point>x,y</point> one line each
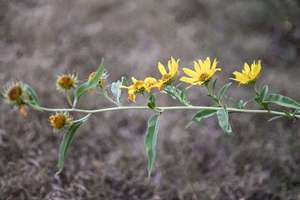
<point>41,39</point>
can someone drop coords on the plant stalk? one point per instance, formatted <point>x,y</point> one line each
<point>163,108</point>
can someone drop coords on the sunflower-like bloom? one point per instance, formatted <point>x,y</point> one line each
<point>13,92</point>
<point>167,77</point>
<point>202,73</point>
<point>150,83</point>
<point>60,120</point>
<point>66,82</point>
<point>248,74</point>
<point>137,86</point>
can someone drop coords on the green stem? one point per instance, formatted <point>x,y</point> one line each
<point>163,108</point>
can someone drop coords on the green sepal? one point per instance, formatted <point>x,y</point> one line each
<point>31,95</point>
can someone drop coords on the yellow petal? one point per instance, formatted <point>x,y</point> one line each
<point>197,67</point>
<point>187,80</point>
<point>214,65</point>
<point>246,69</point>
<point>161,68</point>
<point>207,64</point>
<point>256,69</point>
<point>190,72</point>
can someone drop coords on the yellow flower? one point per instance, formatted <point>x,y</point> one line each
<point>167,77</point>
<point>203,72</point>
<point>248,74</point>
<point>60,120</point>
<point>150,83</point>
<point>136,87</point>
<point>66,82</point>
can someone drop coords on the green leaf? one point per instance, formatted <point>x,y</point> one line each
<point>223,118</point>
<point>275,118</point>
<point>177,94</point>
<point>116,89</point>
<point>223,91</point>
<point>90,84</point>
<point>203,114</point>
<point>283,101</point>
<point>67,139</point>
<point>151,101</point>
<point>32,96</point>
<point>242,104</point>
<point>151,141</point>
<point>264,93</point>
<point>200,115</point>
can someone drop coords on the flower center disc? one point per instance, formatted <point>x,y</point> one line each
<point>15,93</point>
<point>203,77</point>
<point>66,82</point>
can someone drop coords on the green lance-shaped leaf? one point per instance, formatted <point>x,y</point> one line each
<point>177,94</point>
<point>90,84</point>
<point>264,93</point>
<point>283,101</point>
<point>32,96</point>
<point>223,91</point>
<point>223,118</point>
<point>151,141</point>
<point>202,114</point>
<point>67,139</point>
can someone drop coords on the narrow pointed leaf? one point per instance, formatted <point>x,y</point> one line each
<point>151,141</point>
<point>203,114</point>
<point>177,94</point>
<point>283,101</point>
<point>223,90</point>
<point>67,139</point>
<point>264,93</point>
<point>90,84</point>
<point>275,118</point>
<point>223,118</point>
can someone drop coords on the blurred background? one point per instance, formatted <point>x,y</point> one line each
<point>42,39</point>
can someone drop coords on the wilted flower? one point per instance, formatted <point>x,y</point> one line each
<point>66,82</point>
<point>13,92</point>
<point>150,83</point>
<point>167,77</point>
<point>203,72</point>
<point>102,79</point>
<point>60,120</point>
<point>248,74</point>
<point>137,86</point>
